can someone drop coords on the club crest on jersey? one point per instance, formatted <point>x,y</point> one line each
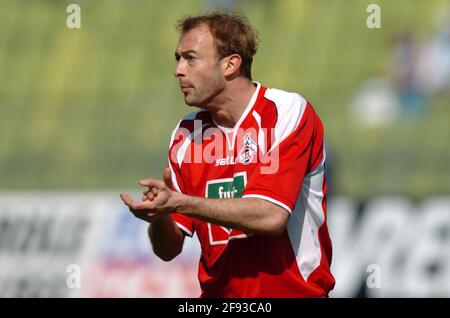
<point>248,151</point>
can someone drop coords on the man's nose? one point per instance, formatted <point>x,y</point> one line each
<point>179,69</point>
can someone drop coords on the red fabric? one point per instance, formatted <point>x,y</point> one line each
<point>236,264</point>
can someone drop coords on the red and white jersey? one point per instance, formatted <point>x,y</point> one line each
<point>275,153</point>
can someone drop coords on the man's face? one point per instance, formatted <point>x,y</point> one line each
<point>198,68</point>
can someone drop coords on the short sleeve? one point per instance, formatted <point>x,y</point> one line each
<point>184,222</point>
<point>280,175</point>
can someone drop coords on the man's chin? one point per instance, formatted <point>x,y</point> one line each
<point>195,102</point>
<point>190,102</point>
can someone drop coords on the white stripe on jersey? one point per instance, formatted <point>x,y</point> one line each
<point>308,216</point>
<point>290,109</point>
<point>261,135</point>
<point>181,226</point>
<point>260,196</point>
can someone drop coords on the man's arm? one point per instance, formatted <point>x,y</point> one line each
<point>165,236</point>
<point>167,239</point>
<point>249,214</point>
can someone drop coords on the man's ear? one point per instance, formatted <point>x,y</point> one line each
<point>233,64</point>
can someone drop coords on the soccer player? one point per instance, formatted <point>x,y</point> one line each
<point>245,172</point>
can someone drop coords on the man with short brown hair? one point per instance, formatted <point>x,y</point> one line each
<point>246,173</point>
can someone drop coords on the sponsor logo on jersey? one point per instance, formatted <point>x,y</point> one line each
<point>229,160</point>
<point>226,188</point>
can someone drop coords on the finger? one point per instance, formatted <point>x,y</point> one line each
<point>143,205</point>
<point>128,200</point>
<point>151,183</point>
<point>167,177</point>
<point>152,190</point>
<point>150,196</point>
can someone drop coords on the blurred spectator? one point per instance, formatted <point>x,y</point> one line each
<point>405,74</point>
<point>419,70</point>
<point>375,103</point>
<point>434,63</point>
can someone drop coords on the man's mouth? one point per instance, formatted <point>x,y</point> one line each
<point>184,87</point>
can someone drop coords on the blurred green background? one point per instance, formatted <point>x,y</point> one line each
<point>94,107</point>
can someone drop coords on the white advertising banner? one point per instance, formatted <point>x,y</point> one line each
<point>87,244</point>
<point>84,245</point>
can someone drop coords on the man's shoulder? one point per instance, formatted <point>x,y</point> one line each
<point>285,99</point>
<point>288,106</point>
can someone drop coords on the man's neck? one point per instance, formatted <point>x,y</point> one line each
<point>229,107</point>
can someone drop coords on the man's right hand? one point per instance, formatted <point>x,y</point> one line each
<point>158,199</point>
<point>150,194</point>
